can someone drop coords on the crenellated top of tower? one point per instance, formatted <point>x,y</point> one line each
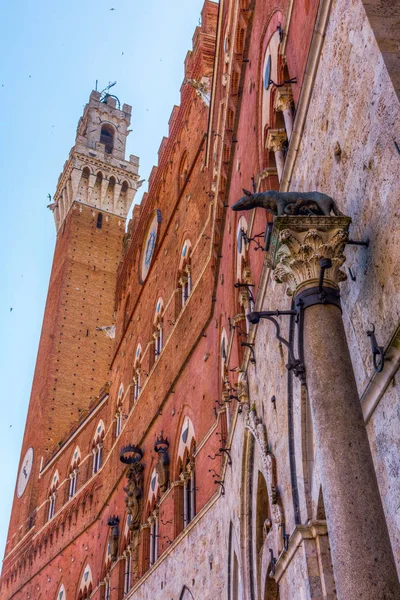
<point>96,172</point>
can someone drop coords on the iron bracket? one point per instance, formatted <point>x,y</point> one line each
<point>253,358</point>
<point>228,454</point>
<point>247,286</point>
<point>272,562</point>
<point>294,364</point>
<point>377,351</point>
<point>221,483</point>
<point>358,243</point>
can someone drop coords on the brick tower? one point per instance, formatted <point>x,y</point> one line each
<point>94,194</point>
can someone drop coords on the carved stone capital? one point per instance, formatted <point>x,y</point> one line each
<point>242,389</point>
<point>283,99</point>
<point>299,242</point>
<point>276,139</point>
<point>244,298</point>
<point>247,275</point>
<point>184,476</point>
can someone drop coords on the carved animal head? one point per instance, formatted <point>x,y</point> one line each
<point>246,202</point>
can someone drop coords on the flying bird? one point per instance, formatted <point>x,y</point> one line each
<point>49,197</point>
<point>112,8</point>
<point>10,309</point>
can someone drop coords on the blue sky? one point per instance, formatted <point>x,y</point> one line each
<point>52,53</point>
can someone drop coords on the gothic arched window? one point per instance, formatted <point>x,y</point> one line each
<point>158,329</point>
<point>137,373</point>
<point>73,474</point>
<point>53,495</point>
<point>97,446</point>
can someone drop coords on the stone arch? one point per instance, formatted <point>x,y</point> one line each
<point>186,594</point>
<point>61,594</point>
<point>107,134</point>
<point>99,433</point>
<point>183,171</point>
<point>224,352</point>
<point>86,584</point>
<point>75,459</point>
<point>265,101</point>
<point>186,440</point>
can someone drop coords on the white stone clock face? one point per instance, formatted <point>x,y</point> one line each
<point>149,245</point>
<point>25,472</point>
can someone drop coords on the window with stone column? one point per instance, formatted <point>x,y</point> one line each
<point>127,562</point>
<point>152,513</point>
<point>276,108</point>
<point>244,285</point>
<point>97,446</point>
<point>186,476</point>
<point>55,480</point>
<point>86,585</point>
<point>137,373</point>
<point>73,473</point>
<point>184,276</point>
<point>119,413</point>
<point>158,329</point>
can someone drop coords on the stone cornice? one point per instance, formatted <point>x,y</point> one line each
<point>311,531</point>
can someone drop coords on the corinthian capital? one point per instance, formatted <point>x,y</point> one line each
<point>276,139</point>
<point>283,99</point>
<point>298,245</point>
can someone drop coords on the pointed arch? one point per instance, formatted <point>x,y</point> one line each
<point>99,432</point>
<point>183,171</point>
<point>61,594</point>
<point>186,594</point>
<point>86,584</point>
<point>186,439</point>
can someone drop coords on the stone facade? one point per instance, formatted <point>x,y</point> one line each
<point>207,464</point>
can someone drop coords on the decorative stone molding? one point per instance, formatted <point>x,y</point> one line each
<point>312,530</point>
<point>299,242</point>
<point>258,429</point>
<point>276,139</point>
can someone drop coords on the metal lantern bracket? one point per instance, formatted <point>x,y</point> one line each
<point>251,348</point>
<point>377,351</point>
<point>294,364</point>
<point>248,240</point>
<point>306,298</point>
<point>247,286</point>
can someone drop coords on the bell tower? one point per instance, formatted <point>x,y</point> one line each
<point>96,173</point>
<point>94,194</point>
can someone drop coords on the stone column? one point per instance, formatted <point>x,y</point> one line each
<point>151,522</point>
<point>284,103</point>
<point>276,139</point>
<point>184,477</point>
<point>362,556</point>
